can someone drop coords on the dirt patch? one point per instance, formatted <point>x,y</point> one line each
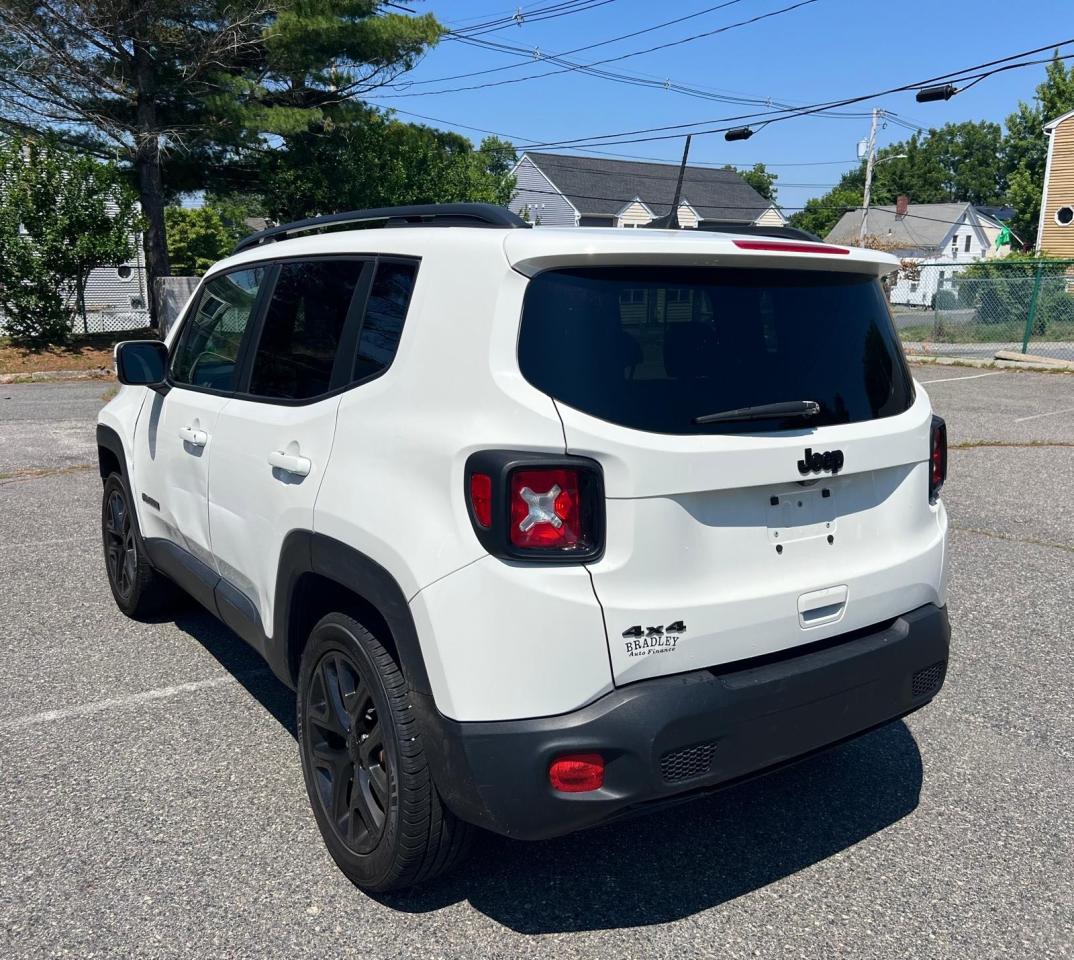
<point>86,352</point>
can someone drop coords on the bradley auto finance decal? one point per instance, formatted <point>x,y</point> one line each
<point>645,641</point>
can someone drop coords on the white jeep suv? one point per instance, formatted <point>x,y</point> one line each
<point>545,526</point>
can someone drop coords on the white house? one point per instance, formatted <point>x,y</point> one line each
<point>944,237</point>
<point>566,191</point>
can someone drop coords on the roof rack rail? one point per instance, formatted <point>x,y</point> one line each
<point>422,214</point>
<point>758,230</point>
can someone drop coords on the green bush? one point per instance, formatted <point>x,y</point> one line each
<point>61,216</point>
<point>944,300</point>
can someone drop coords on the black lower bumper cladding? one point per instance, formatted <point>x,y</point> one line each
<point>665,738</point>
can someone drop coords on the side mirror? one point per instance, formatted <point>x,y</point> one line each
<point>141,363</point>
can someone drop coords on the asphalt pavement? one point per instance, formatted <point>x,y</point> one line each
<point>152,805</point>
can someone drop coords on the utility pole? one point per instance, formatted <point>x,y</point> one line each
<point>871,153</point>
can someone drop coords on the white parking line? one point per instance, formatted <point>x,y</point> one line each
<point>976,376</point>
<point>118,703</point>
<point>1037,416</point>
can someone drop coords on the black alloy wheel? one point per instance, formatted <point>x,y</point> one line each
<point>121,549</point>
<point>345,741</point>
<point>365,764</point>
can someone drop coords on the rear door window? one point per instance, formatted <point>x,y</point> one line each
<point>303,326</point>
<point>385,313</point>
<point>653,348</point>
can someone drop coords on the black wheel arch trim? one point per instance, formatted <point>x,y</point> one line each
<point>305,552</point>
<point>108,439</point>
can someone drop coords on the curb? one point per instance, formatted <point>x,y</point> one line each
<point>1047,367</point>
<point>45,376</point>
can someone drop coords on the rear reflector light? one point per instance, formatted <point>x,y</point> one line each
<point>937,458</point>
<point>546,508</point>
<point>481,499</point>
<point>577,773</point>
<point>789,247</point>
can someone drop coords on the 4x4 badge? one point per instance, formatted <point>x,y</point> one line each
<point>830,460</point>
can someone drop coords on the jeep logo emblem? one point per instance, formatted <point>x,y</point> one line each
<point>830,461</point>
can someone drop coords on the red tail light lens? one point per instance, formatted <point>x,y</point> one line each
<point>577,773</point>
<point>546,509</point>
<point>937,458</point>
<point>481,498</point>
<point>536,507</point>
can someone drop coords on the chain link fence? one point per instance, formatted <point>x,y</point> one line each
<point>114,299</point>
<point>978,309</point>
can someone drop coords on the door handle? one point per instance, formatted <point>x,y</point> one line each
<point>196,438</point>
<point>299,466</point>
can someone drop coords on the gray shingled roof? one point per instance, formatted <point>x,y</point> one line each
<point>923,228</point>
<point>598,186</point>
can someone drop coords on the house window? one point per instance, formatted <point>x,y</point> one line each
<point>954,245</point>
<point>943,273</point>
<point>968,238</point>
<point>124,272</point>
<point>1064,216</point>
<point>913,286</point>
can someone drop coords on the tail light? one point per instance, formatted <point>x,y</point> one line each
<point>528,506</point>
<point>937,458</point>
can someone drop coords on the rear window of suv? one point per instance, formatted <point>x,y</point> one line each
<point>654,347</point>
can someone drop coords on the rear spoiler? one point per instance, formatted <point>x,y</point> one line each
<point>756,230</point>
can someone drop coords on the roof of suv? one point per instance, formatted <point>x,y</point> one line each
<point>530,251</point>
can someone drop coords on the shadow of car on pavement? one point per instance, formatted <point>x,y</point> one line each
<point>660,867</point>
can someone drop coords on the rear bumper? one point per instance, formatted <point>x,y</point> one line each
<point>672,736</point>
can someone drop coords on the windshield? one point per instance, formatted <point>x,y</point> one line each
<point>654,348</point>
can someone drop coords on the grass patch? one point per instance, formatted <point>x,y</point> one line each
<point>973,444</point>
<point>91,351</point>
<point>34,473</point>
<point>985,333</point>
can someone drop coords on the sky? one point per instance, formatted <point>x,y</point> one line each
<point>820,51</point>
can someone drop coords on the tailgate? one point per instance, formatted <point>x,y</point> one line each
<point>705,565</point>
<point>763,447</point>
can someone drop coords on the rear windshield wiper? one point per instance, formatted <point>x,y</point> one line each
<point>766,411</point>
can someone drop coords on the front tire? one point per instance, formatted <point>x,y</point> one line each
<point>138,589</point>
<point>364,763</point>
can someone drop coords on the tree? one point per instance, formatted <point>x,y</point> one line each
<point>61,216</point>
<point>373,160</point>
<point>953,163</point>
<point>197,238</point>
<point>181,87</point>
<point>977,162</point>
<point>1025,148</point>
<point>760,178</point>
<point>234,209</point>
<point>820,214</point>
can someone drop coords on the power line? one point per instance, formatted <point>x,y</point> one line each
<point>623,156</point>
<point>552,12</point>
<point>624,56</point>
<point>845,208</point>
<point>528,53</point>
<point>773,116</point>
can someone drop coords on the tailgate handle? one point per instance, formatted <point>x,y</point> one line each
<point>822,606</point>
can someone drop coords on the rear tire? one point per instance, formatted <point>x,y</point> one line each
<point>364,763</point>
<point>138,589</point>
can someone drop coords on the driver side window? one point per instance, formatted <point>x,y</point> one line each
<point>208,348</point>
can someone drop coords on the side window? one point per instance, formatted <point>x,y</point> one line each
<point>302,329</point>
<point>384,316</point>
<point>208,346</point>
